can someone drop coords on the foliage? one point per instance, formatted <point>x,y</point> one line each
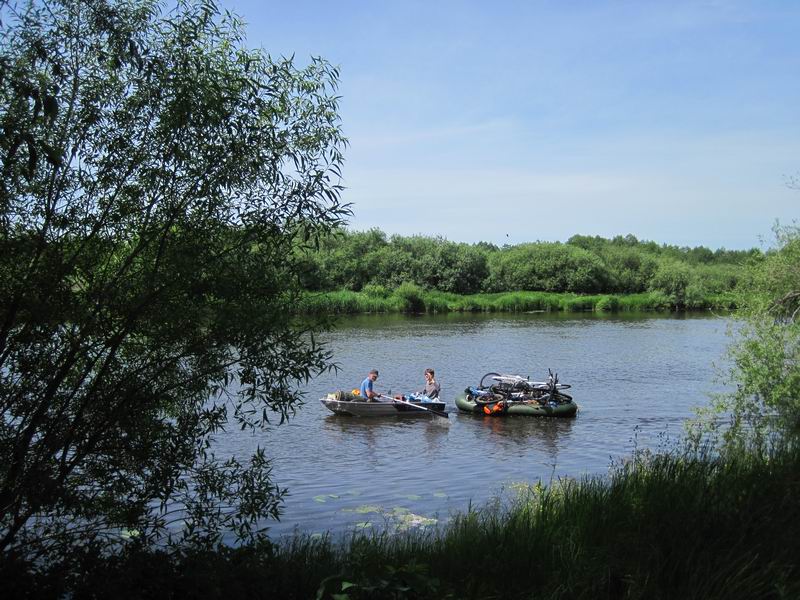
<point>765,371</point>
<point>672,278</point>
<point>547,267</point>
<point>688,277</point>
<point>676,525</point>
<point>343,260</point>
<point>411,298</point>
<point>157,179</point>
<point>629,269</point>
<point>410,580</point>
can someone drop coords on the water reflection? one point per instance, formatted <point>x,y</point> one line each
<point>523,435</point>
<point>371,432</point>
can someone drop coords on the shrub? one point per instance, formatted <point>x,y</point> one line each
<point>607,303</point>
<point>411,295</point>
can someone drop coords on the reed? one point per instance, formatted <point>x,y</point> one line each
<point>675,525</point>
<point>347,302</point>
<point>410,298</point>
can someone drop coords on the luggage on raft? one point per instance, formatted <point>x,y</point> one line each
<point>500,395</point>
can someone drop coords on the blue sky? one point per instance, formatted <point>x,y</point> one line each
<point>511,122</point>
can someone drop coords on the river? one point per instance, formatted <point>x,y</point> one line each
<point>636,379</point>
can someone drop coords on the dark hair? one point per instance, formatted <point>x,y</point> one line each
<point>373,371</point>
<point>429,371</point>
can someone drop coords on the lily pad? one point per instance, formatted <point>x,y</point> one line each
<point>439,495</point>
<point>411,520</point>
<point>364,509</point>
<point>413,497</point>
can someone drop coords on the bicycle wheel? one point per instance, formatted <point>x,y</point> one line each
<point>483,384</point>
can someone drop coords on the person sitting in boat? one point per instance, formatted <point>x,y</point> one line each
<point>432,387</point>
<point>369,394</point>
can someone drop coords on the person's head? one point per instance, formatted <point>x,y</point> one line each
<point>429,374</point>
<point>373,375</point>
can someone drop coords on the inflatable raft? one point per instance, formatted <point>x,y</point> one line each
<point>500,395</point>
<point>530,408</point>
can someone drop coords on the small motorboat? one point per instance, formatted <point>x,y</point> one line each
<point>500,395</point>
<point>411,405</point>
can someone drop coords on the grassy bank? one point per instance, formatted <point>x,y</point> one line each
<point>412,299</point>
<point>662,526</point>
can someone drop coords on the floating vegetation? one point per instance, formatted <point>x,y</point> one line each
<point>440,495</point>
<point>396,519</point>
<point>413,497</point>
<point>364,509</point>
<point>409,520</point>
<point>324,497</point>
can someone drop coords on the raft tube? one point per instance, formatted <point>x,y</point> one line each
<point>467,404</point>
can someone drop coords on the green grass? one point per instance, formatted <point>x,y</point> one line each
<point>409,298</point>
<point>659,526</point>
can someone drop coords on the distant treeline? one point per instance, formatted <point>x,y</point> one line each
<point>372,262</point>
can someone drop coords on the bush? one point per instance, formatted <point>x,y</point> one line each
<point>671,279</point>
<point>411,295</point>
<point>374,290</point>
<point>607,303</point>
<point>546,267</point>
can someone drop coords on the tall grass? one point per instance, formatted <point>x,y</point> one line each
<point>413,299</point>
<point>660,526</point>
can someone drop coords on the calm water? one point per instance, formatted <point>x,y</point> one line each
<point>635,379</point>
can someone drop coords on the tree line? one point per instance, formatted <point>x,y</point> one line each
<point>364,260</point>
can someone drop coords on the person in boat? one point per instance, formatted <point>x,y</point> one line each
<point>432,387</point>
<point>367,391</point>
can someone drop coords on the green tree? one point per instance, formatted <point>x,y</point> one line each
<point>157,177</point>
<point>672,278</point>
<point>630,269</point>
<point>436,263</point>
<point>765,358</point>
<point>353,263</point>
<point>392,266</point>
<point>550,267</point>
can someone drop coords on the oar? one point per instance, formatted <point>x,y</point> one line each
<point>430,410</point>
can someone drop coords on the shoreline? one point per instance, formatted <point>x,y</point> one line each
<point>415,300</point>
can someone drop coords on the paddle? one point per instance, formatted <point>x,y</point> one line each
<point>435,412</point>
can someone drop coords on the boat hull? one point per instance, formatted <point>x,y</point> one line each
<point>381,408</point>
<point>527,409</point>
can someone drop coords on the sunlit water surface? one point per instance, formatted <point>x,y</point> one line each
<point>636,380</point>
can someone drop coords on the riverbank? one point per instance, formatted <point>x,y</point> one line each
<point>659,526</point>
<point>409,298</point>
